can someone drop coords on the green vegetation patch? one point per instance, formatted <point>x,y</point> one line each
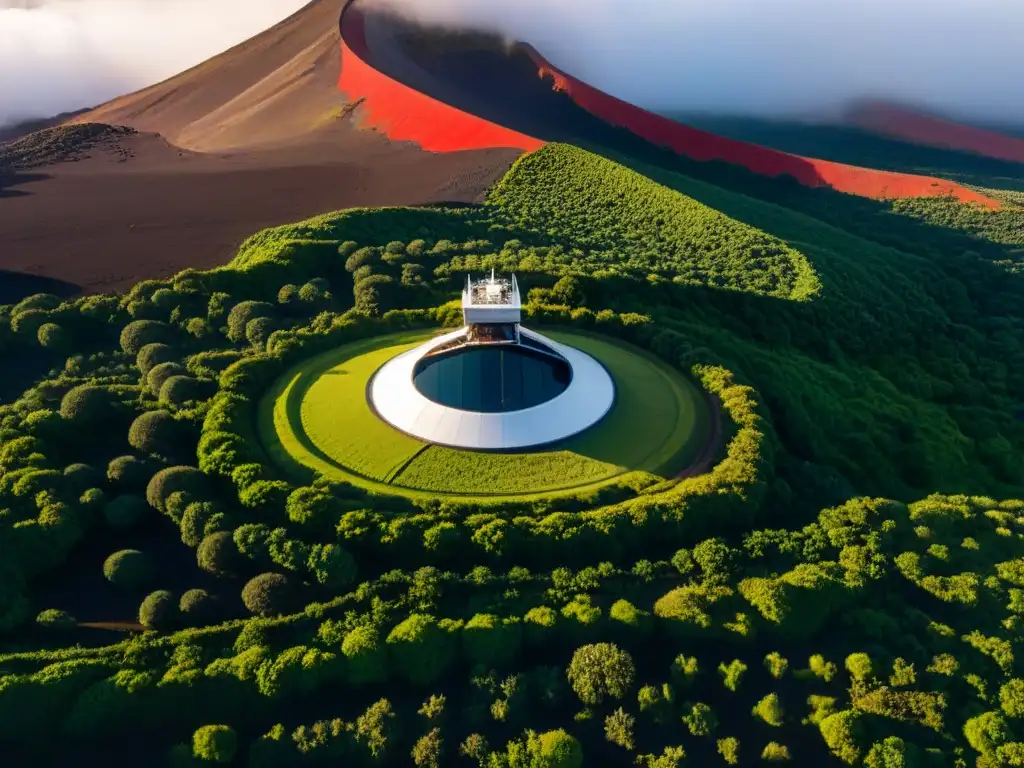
<point>321,418</point>
<point>628,222</point>
<point>317,416</point>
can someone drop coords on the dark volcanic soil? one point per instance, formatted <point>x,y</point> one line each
<point>138,208</point>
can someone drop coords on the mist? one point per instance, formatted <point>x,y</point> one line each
<point>65,55</point>
<point>770,58</point>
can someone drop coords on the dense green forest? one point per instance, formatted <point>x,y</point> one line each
<point>844,587</point>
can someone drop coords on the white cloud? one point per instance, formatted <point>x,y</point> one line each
<point>61,55</point>
<point>750,56</point>
<point>771,56</point>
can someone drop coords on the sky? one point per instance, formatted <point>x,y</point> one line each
<point>771,58</point>
<point>64,55</point>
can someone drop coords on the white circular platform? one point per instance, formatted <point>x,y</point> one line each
<point>397,401</point>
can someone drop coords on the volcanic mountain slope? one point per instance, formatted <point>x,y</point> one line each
<point>267,132</point>
<point>434,86</point>
<point>859,146</point>
<point>912,125</point>
<point>255,137</point>
<point>273,88</point>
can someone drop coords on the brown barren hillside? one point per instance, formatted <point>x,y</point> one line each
<point>277,87</point>
<point>255,137</point>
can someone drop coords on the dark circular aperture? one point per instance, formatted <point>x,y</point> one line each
<point>492,378</point>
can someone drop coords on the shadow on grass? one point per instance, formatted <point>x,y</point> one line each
<point>79,587</point>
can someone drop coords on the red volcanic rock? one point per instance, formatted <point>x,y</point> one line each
<point>703,146</point>
<point>903,123</point>
<point>404,114</point>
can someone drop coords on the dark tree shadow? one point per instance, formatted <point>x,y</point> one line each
<point>15,286</point>
<point>9,180</point>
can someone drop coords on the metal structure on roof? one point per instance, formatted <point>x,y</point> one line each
<point>491,300</point>
<point>492,385</point>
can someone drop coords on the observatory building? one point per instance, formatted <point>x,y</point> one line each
<point>492,384</point>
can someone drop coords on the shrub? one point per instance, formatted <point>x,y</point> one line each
<point>555,749</point>
<point>88,405</point>
<point>197,327</point>
<point>366,656</point>
<point>159,610</point>
<point>288,294</point>
<point>258,331</point>
<point>215,743</point>
<point>209,365</point>
<point>179,479</point>
<point>1011,698</point>
<point>633,621</point>
<point>126,511</point>
<point>154,432</point>
<point>165,299</point>
<point>774,752</point>
<point>153,355</point>
<point>375,295</point>
<point>428,750</point>
<point>159,374</point>
<point>619,728</point>
<point>244,312</point>
<point>197,606</point>
<point>52,619</point>
<point>332,565</point>
<point>217,553</point>
<point>841,732</point>
<point>178,390</point>
<point>80,477</point>
<point>700,720</point>
<point>36,301</point>
<point>199,519</point>
<point>52,336</point>
<point>601,670</point>
<point>128,569</point>
<point>421,649</point>
<point>217,306</point>
<point>129,472</point>
<point>776,664</point>
<point>92,500</point>
<point>361,258</point>
<point>729,749</point>
<point>267,594</point>
<point>310,294</point>
<point>732,673</point>
<point>139,333</point>
<point>769,709</point>
<point>859,666</point>
<point>29,322</point>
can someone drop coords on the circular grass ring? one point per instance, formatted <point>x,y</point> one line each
<point>316,418</point>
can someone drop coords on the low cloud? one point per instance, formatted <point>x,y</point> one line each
<point>757,57</point>
<point>771,57</point>
<point>64,55</point>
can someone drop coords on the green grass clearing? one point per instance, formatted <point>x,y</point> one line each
<point>316,417</point>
